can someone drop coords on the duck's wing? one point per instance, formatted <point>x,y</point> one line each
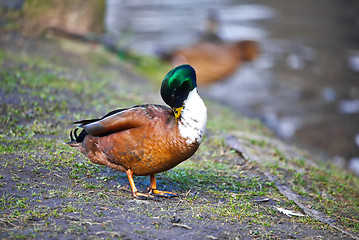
<point>118,120</point>
<point>87,121</point>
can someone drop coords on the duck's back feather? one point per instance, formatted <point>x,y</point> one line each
<point>87,121</point>
<point>121,119</point>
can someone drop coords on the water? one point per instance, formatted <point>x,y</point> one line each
<point>305,83</point>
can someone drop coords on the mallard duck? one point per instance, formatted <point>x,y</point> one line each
<point>148,139</point>
<point>214,61</point>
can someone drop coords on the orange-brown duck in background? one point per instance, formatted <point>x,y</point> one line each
<point>214,61</point>
<point>148,139</point>
<point>212,58</point>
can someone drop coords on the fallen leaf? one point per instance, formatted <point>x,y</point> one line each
<point>261,200</point>
<point>290,212</point>
<point>211,237</point>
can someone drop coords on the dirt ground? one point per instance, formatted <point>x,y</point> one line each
<point>233,188</point>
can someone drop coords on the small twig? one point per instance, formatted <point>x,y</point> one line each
<point>7,221</point>
<point>182,225</point>
<point>58,175</point>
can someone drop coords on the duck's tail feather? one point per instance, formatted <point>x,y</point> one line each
<point>76,138</point>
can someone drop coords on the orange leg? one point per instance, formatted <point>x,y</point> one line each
<point>135,193</point>
<point>153,189</point>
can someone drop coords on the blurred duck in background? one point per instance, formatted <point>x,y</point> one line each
<point>213,59</point>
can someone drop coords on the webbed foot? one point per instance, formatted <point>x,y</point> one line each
<point>159,193</point>
<point>152,190</point>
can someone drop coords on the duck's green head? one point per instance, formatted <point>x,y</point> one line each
<point>176,86</point>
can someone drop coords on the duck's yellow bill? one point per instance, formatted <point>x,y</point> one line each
<point>177,112</point>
